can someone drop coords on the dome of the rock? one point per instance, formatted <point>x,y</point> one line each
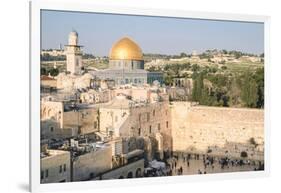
<point>125,49</point>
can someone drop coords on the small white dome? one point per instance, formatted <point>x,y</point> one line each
<point>73,33</point>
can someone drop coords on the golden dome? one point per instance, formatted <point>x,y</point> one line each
<point>125,49</point>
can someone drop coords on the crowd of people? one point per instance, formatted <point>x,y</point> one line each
<point>178,161</point>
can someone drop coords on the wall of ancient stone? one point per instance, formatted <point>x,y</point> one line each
<point>92,164</point>
<point>50,129</point>
<point>148,121</point>
<point>53,163</point>
<point>124,171</point>
<point>224,130</point>
<point>85,119</point>
<point>52,110</point>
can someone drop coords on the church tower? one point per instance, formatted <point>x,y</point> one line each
<point>73,54</point>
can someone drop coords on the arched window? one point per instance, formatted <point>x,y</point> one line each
<point>49,113</point>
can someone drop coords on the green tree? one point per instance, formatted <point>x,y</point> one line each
<point>43,71</point>
<point>198,86</point>
<point>237,55</point>
<point>234,93</point>
<point>224,51</point>
<point>195,67</point>
<point>54,72</point>
<point>249,90</point>
<point>259,78</point>
<point>183,55</point>
<point>168,79</point>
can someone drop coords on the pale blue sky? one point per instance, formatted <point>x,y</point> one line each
<point>162,35</point>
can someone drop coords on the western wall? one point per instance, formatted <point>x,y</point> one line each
<point>217,130</point>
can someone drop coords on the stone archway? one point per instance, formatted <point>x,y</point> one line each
<point>44,113</point>
<point>130,175</point>
<point>138,173</point>
<point>49,113</point>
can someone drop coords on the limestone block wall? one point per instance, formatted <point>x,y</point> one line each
<point>49,83</point>
<point>112,118</point>
<point>51,110</point>
<point>136,93</point>
<point>50,129</point>
<point>91,164</point>
<point>85,119</point>
<point>148,120</point>
<point>125,171</point>
<point>54,166</point>
<point>142,121</point>
<point>195,128</point>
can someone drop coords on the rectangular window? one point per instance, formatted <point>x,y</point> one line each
<point>139,131</point>
<point>64,167</point>
<point>77,61</point>
<point>159,127</point>
<point>52,129</point>
<point>42,175</point>
<point>153,112</point>
<point>150,129</point>
<point>60,168</point>
<point>95,124</point>
<point>47,173</point>
<point>167,124</point>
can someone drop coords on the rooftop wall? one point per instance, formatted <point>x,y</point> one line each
<point>91,164</point>
<point>53,163</point>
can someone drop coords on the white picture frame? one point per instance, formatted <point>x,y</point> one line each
<point>35,23</point>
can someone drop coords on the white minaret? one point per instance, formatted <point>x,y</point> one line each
<point>73,54</point>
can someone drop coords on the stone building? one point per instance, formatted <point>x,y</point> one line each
<point>68,82</point>
<point>55,166</point>
<point>60,119</point>
<point>151,121</point>
<point>52,110</point>
<point>47,82</point>
<point>53,52</point>
<point>96,96</point>
<point>84,118</point>
<point>137,93</point>
<point>89,164</point>
<point>133,169</point>
<point>97,161</point>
